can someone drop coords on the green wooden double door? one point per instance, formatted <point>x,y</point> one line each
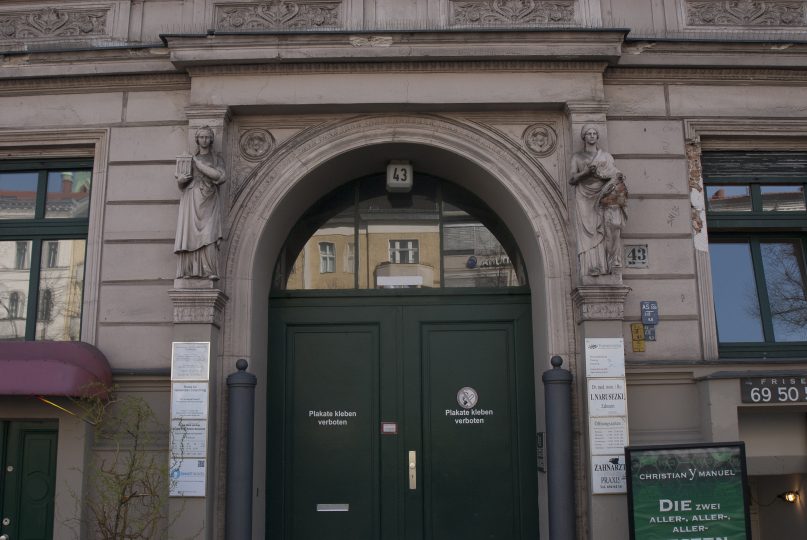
<point>403,418</point>
<point>27,479</point>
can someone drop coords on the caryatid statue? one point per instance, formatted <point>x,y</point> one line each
<point>199,222</point>
<point>600,200</point>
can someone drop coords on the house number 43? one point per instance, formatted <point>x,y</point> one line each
<point>636,256</point>
<point>399,176</point>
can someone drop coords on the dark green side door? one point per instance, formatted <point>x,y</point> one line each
<point>27,479</point>
<point>406,418</point>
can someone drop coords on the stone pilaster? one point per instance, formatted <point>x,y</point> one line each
<point>599,313</point>
<point>198,313</point>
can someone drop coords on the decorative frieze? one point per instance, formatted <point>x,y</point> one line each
<point>520,12</point>
<point>746,13</point>
<point>278,15</point>
<point>54,22</point>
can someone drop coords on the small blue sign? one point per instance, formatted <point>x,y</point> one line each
<point>649,332</point>
<point>649,312</point>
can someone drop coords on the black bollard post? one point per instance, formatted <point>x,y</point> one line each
<point>241,416</point>
<point>560,470</point>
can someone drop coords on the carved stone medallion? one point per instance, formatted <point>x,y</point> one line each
<point>540,139</point>
<point>256,144</point>
<point>492,12</point>
<point>746,13</point>
<point>278,14</point>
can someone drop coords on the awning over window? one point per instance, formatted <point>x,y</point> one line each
<point>52,368</point>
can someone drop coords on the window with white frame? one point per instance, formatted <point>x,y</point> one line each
<point>403,251</point>
<point>44,215</point>
<point>327,257</point>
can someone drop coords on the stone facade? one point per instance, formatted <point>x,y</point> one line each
<point>489,94</point>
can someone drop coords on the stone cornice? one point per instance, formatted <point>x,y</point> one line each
<point>91,61</point>
<point>89,84</point>
<point>694,51</point>
<point>525,66</point>
<point>639,75</point>
<point>228,49</point>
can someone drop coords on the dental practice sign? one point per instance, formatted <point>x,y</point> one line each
<point>693,492</point>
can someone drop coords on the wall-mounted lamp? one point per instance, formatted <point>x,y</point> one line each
<point>789,496</point>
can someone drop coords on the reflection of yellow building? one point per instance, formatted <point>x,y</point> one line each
<point>402,255</point>
<point>59,296</point>
<point>327,261</point>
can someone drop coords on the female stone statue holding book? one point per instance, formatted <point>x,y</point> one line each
<point>199,222</point>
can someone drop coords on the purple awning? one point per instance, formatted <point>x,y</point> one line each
<point>53,368</point>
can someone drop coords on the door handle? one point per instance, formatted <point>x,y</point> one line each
<point>413,472</point>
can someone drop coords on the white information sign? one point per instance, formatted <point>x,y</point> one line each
<point>608,474</point>
<point>188,438</point>
<point>608,435</point>
<point>190,360</point>
<point>605,357</point>
<point>606,397</point>
<point>188,478</point>
<point>189,400</point>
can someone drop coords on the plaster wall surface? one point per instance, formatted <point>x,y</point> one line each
<point>663,406</point>
<point>153,261</point>
<point>400,88</point>
<point>676,341</point>
<point>670,256</point>
<point>65,111</point>
<point>142,182</point>
<point>655,137</point>
<point>152,143</point>
<point>743,101</point>
<point>136,346</point>
<point>655,176</point>
<point>156,106</point>
<point>636,100</point>
<point>141,303</point>
<point>141,222</point>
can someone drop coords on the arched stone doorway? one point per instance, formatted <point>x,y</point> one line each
<point>267,204</point>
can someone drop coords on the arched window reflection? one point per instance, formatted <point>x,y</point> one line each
<point>361,237</point>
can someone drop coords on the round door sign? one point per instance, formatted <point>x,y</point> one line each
<point>467,397</point>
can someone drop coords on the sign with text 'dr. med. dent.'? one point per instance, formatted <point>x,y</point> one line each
<point>688,492</point>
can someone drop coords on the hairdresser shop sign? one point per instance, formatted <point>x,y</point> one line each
<point>694,492</point>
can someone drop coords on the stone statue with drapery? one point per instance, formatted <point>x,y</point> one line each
<point>600,200</point>
<point>199,221</point>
